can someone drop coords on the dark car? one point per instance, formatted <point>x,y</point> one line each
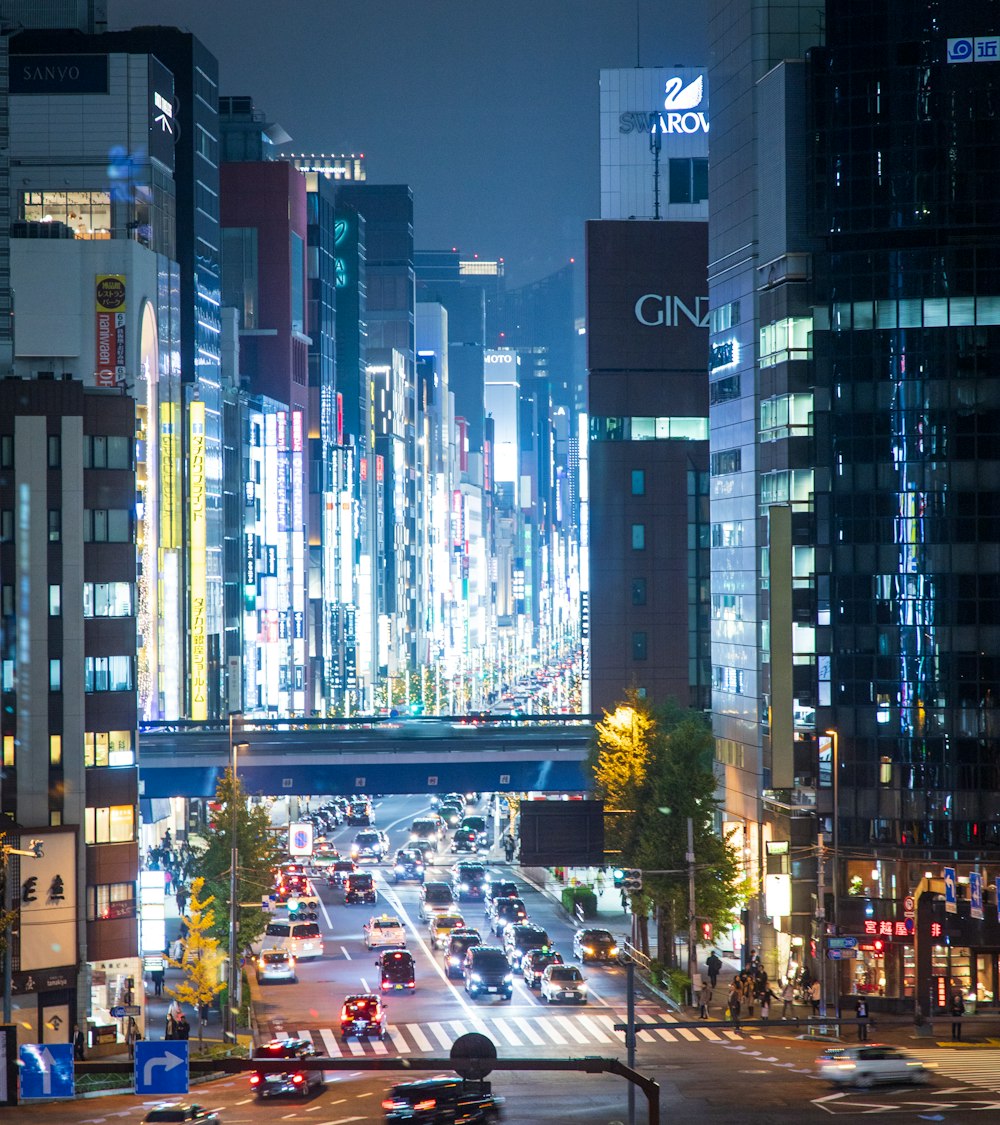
<point>468,881</point>
<point>594,945</point>
<point>368,846</point>
<point>451,814</point>
<point>363,1015</point>
<point>504,910</point>
<point>487,972</point>
<point>359,814</point>
<point>396,971</point>
<point>464,840</point>
<point>290,1081</point>
<point>425,828</point>
<point>359,887</point>
<point>459,943</point>
<point>408,865</point>
<point>519,937</point>
<point>535,962</point>
<point>180,1113</point>
<point>441,1101</point>
<point>477,824</point>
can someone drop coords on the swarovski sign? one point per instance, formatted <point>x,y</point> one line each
<point>680,113</point>
<point>657,310</point>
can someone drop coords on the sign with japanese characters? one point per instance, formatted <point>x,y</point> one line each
<point>48,901</point>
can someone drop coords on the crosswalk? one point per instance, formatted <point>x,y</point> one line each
<point>978,1066</point>
<point>595,1028</point>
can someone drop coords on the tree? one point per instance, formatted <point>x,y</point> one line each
<point>258,856</point>
<point>656,767</point>
<point>201,958</point>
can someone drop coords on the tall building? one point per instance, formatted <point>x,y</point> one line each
<point>854,666</point>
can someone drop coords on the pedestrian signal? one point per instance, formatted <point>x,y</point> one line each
<point>706,933</point>
<point>632,879</point>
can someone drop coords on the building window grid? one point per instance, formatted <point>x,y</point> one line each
<point>108,748</point>
<point>109,824</point>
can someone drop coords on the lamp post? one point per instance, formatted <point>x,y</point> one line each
<point>235,720</point>
<point>835,874</point>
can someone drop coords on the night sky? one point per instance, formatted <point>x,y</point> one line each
<point>489,111</point>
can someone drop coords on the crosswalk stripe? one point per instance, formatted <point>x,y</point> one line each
<point>356,1046</point>
<point>528,1031</point>
<point>592,1026</point>
<point>645,1037</point>
<point>398,1039</point>
<point>439,1033</point>
<point>507,1032</point>
<point>330,1044</point>
<point>379,1047</point>
<point>552,1032</point>
<point>688,1034</point>
<point>458,1028</point>
<point>421,1040</point>
<point>306,1035</point>
<point>707,1033</point>
<point>609,1024</point>
<point>732,1035</point>
<point>571,1029</point>
<point>668,1036</point>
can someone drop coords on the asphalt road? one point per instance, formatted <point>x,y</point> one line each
<point>706,1075</point>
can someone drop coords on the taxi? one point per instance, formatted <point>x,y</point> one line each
<point>384,930</point>
<point>440,926</point>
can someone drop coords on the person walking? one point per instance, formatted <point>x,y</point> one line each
<point>957,1011</point>
<point>766,997</point>
<point>508,847</point>
<point>735,1004</point>
<point>861,1015</point>
<point>78,1042</point>
<point>705,1000</point>
<point>157,975</point>
<point>815,993</point>
<point>182,1029</point>
<point>714,966</point>
<point>624,901</point>
<point>787,999</point>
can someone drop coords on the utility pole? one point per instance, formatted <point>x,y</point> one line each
<point>821,919</point>
<point>234,859</point>
<point>692,911</point>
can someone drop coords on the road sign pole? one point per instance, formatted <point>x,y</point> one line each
<point>630,1033</point>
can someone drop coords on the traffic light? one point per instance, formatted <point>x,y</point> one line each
<point>618,876</point>
<point>632,879</point>
<point>706,933</point>
<point>879,947</point>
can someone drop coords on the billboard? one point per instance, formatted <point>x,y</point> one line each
<point>109,298</point>
<point>562,833</point>
<point>647,297</point>
<point>48,893</point>
<point>198,512</point>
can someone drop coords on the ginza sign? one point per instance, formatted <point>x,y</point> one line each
<point>661,310</point>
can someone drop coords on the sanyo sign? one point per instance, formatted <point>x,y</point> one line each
<point>657,310</point>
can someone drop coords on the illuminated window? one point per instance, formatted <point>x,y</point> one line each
<point>113,824</point>
<point>8,750</point>
<point>110,900</point>
<point>107,673</point>
<point>86,213</point>
<point>55,525</point>
<point>638,537</point>
<point>55,675</point>
<point>55,451</point>
<point>55,749</point>
<point>55,600</point>
<point>788,339</point>
<point>108,748</point>
<point>108,599</point>
<point>638,482</point>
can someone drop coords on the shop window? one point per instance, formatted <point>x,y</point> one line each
<point>110,900</point>
<point>108,748</point>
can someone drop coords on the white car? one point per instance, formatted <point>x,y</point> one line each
<point>386,930</point>
<point>274,965</point>
<point>869,1063</point>
<point>563,982</point>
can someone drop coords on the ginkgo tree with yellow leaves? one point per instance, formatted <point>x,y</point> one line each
<point>201,958</point>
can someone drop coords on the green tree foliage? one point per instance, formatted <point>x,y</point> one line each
<point>656,766</point>
<point>201,958</point>
<point>258,856</point>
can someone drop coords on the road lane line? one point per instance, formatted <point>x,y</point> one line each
<point>529,1032</point>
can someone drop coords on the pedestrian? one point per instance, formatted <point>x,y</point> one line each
<point>508,847</point>
<point>171,1028</point>
<point>182,896</point>
<point>130,1036</point>
<point>766,997</point>
<point>815,992</point>
<point>787,999</point>
<point>735,1003</point>
<point>624,901</point>
<point>861,1014</point>
<point>182,1028</point>
<point>713,965</point>
<point>157,975</point>
<point>747,990</point>
<point>203,1012</point>
<point>957,1011</point>
<point>705,1000</point>
<point>78,1042</point>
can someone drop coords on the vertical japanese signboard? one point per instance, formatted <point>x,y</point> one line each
<point>48,903</point>
<point>197,499</point>
<point>109,326</point>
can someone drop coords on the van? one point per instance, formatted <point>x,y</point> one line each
<point>487,972</point>
<point>435,898</point>
<point>301,939</point>
<point>359,886</point>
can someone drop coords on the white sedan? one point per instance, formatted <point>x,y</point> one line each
<point>276,965</point>
<point>869,1063</point>
<point>563,982</point>
<point>386,930</point>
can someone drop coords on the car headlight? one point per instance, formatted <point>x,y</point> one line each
<point>476,978</point>
<point>581,986</point>
<point>587,949</point>
<point>508,978</point>
<point>399,867</point>
<point>613,950</point>
<point>464,887</point>
<point>454,960</point>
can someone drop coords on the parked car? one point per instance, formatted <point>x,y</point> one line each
<point>384,930</point>
<point>275,965</point>
<point>364,1016</point>
<point>869,1063</point>
<point>435,898</point>
<point>519,937</point>
<point>594,944</point>
<point>535,962</point>
<point>487,972</point>
<point>433,1100</point>
<point>459,942</point>
<point>397,972</point>
<point>359,887</point>
<point>563,982</point>
<point>291,1081</point>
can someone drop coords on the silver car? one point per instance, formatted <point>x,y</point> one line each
<point>869,1063</point>
<point>275,965</point>
<point>563,982</point>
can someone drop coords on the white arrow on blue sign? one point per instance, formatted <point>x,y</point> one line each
<point>950,894</point>
<point>46,1070</point>
<point>161,1067</point>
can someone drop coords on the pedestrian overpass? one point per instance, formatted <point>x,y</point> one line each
<point>364,755</point>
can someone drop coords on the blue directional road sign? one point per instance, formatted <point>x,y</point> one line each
<point>161,1067</point>
<point>950,895</point>
<point>975,895</point>
<point>46,1070</point>
<point>842,943</point>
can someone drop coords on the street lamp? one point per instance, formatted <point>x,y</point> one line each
<point>835,874</point>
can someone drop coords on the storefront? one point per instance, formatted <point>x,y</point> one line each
<point>957,951</point>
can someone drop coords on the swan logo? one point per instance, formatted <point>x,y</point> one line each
<point>680,105</point>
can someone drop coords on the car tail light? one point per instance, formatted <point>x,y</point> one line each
<point>410,984</point>
<point>298,1079</point>
<point>254,1079</point>
<point>344,1015</point>
<point>386,986</point>
<point>389,1103</point>
<point>427,1103</point>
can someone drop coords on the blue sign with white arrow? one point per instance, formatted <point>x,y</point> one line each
<point>950,895</point>
<point>161,1067</point>
<point>46,1070</point>
<point>975,895</point>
